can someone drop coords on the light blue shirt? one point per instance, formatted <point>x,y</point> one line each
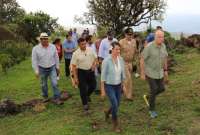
<point>108,73</point>
<point>105,47</point>
<point>44,57</point>
<point>75,37</point>
<point>68,45</point>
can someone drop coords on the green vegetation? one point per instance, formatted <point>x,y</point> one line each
<point>178,107</point>
<point>13,52</point>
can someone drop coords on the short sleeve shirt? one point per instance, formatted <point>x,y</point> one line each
<point>83,59</point>
<point>154,58</point>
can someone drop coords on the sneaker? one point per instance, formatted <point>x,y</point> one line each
<point>146,100</point>
<point>153,114</point>
<point>58,78</point>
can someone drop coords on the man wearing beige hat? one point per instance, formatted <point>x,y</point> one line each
<point>128,50</point>
<point>45,62</point>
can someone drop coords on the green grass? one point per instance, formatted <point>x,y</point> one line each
<point>178,106</point>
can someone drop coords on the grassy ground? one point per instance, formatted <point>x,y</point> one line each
<point>178,107</point>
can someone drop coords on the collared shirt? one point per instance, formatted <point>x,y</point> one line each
<point>105,47</point>
<point>127,49</point>
<point>109,74</point>
<point>154,58</point>
<point>44,57</point>
<point>83,59</point>
<point>68,45</point>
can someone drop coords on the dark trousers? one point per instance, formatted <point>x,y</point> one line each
<point>87,84</point>
<point>114,94</point>
<point>67,70</point>
<point>156,87</point>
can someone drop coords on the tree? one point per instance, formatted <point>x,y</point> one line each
<point>118,14</point>
<point>10,11</point>
<point>31,25</point>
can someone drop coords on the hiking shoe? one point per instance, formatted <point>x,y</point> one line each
<point>153,114</point>
<point>146,100</point>
<point>45,99</point>
<point>85,107</point>
<point>58,101</point>
<point>86,110</point>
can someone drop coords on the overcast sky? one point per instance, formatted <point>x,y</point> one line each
<point>178,13</point>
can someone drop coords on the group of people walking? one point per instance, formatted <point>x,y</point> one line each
<point>107,59</point>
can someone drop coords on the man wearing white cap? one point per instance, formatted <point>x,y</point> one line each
<point>45,62</point>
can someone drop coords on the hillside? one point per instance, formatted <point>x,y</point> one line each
<point>178,107</point>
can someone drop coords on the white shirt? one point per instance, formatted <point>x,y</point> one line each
<point>44,57</point>
<point>105,47</point>
<point>118,71</point>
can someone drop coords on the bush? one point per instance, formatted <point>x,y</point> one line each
<point>13,52</point>
<point>5,62</point>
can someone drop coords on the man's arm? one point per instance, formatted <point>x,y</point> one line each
<point>95,62</point>
<point>166,79</point>
<point>142,68</point>
<point>34,62</point>
<point>101,51</point>
<point>74,71</point>
<point>57,61</point>
<point>73,63</point>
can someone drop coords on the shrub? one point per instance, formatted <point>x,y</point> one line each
<point>13,52</point>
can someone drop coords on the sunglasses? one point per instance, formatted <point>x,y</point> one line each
<point>43,38</point>
<point>130,34</point>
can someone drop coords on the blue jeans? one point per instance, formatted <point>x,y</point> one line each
<point>114,94</point>
<point>52,74</point>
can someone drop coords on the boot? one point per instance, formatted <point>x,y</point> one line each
<point>107,114</point>
<point>116,127</point>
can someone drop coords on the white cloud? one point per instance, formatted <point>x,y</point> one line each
<point>65,10</point>
<point>183,7</point>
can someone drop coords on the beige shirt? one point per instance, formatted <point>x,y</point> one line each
<point>83,59</point>
<point>128,49</point>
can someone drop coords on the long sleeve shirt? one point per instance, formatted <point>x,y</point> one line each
<point>109,74</point>
<point>104,48</point>
<point>44,57</point>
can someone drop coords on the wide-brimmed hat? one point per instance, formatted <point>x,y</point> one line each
<point>44,35</point>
